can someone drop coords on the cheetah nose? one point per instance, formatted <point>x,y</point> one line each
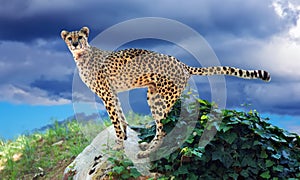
<point>75,44</point>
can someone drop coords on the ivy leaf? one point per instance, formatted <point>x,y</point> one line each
<point>269,163</point>
<point>246,145</point>
<point>196,153</point>
<point>247,122</point>
<point>289,135</point>
<point>168,167</point>
<point>217,155</point>
<point>224,157</point>
<point>256,143</point>
<point>276,156</point>
<point>125,176</point>
<point>265,175</point>
<point>227,160</point>
<point>248,161</point>
<point>203,102</point>
<point>127,163</point>
<point>118,169</point>
<point>278,168</point>
<point>134,173</point>
<point>245,173</point>
<point>224,127</point>
<point>233,175</point>
<point>230,137</point>
<point>204,117</point>
<point>182,170</point>
<point>192,176</point>
<point>277,139</point>
<point>233,122</point>
<point>263,154</point>
<point>285,154</point>
<point>270,148</point>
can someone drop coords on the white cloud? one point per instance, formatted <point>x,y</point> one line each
<point>294,128</point>
<point>32,96</point>
<point>280,56</point>
<point>295,31</point>
<point>278,9</point>
<point>274,93</point>
<point>289,10</point>
<point>21,64</point>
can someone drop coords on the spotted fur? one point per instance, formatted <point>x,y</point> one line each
<point>107,73</point>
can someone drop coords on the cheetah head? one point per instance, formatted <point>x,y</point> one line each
<point>76,40</point>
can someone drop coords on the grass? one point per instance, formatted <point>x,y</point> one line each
<point>46,155</point>
<point>41,154</point>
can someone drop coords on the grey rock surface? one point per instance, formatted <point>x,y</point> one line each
<point>92,162</point>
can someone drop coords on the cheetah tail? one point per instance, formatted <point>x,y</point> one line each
<point>231,71</point>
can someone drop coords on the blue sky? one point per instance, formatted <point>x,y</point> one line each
<point>37,70</point>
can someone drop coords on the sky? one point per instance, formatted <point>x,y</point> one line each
<point>37,70</point>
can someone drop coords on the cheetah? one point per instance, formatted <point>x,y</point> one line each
<point>108,72</point>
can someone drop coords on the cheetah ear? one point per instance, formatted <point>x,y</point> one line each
<point>64,34</point>
<point>85,30</point>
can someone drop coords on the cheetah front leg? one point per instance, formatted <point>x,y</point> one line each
<point>114,110</point>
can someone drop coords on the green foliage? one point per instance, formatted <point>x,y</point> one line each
<point>123,167</point>
<point>245,146</point>
<point>135,119</point>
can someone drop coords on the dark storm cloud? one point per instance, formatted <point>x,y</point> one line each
<point>55,88</point>
<point>29,20</point>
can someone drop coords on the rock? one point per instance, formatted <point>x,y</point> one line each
<point>58,143</point>
<point>92,162</point>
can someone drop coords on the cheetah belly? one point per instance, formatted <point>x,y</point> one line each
<point>123,83</point>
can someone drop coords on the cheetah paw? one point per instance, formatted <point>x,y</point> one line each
<point>143,154</point>
<point>143,146</point>
<point>119,145</point>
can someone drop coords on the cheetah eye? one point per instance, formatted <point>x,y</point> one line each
<point>80,37</point>
<point>69,38</point>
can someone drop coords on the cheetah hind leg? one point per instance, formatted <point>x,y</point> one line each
<point>160,105</point>
<point>155,102</point>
